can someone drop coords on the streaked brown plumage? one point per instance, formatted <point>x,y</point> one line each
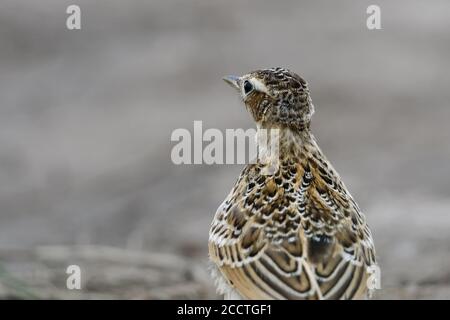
<point>296,233</point>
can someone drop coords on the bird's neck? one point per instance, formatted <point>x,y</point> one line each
<point>291,143</point>
<point>296,143</point>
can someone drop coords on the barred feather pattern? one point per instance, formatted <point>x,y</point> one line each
<point>296,234</point>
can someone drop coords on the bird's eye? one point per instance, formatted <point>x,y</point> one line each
<point>248,87</point>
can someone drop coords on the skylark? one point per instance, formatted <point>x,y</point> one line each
<point>296,233</point>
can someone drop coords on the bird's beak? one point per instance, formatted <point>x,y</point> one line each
<point>233,81</point>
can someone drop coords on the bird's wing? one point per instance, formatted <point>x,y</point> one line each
<point>295,235</point>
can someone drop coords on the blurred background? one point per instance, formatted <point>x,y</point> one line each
<point>86,118</point>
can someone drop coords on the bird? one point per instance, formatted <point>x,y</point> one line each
<point>294,232</point>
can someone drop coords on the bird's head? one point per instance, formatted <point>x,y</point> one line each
<point>275,97</point>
